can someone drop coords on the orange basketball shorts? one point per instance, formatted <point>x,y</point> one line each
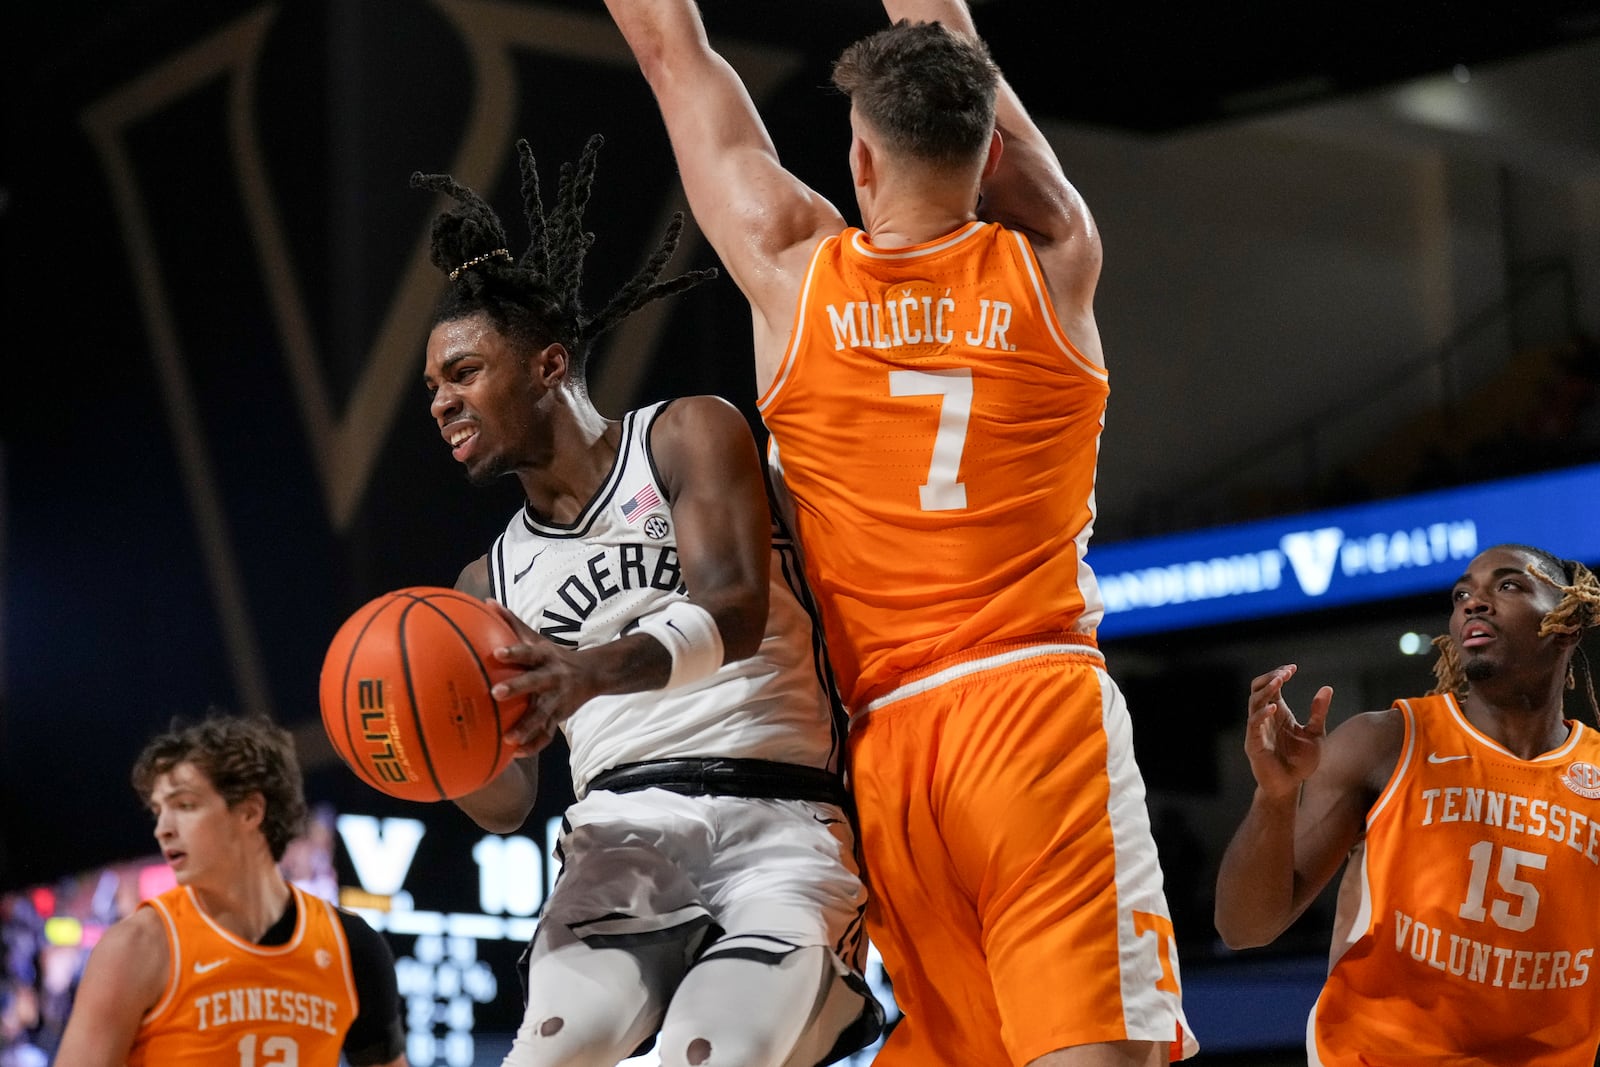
<point>1016,897</point>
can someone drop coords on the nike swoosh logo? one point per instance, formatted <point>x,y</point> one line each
<point>202,968</point>
<point>675,627</point>
<point>524,572</point>
<point>1434,757</point>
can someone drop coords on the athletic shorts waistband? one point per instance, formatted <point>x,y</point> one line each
<point>755,779</point>
<point>982,658</point>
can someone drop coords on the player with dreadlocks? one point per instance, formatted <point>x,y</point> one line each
<point>709,894</point>
<point>1467,930</point>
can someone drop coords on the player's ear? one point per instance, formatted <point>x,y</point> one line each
<point>997,147</point>
<point>860,161</point>
<point>551,363</point>
<point>252,809</point>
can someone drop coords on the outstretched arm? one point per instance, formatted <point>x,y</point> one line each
<point>761,220</point>
<point>1027,190</point>
<point>1309,809</point>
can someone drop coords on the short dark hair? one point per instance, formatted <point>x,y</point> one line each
<point>533,299</point>
<point>240,755</point>
<point>928,91</point>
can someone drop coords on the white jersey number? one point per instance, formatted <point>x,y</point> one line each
<point>1511,859</point>
<point>942,492</point>
<point>281,1052</point>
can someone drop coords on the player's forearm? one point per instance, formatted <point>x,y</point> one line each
<point>660,33</point>
<point>952,13</point>
<point>502,806</point>
<point>1256,881</point>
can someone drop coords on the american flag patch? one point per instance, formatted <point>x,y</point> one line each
<point>636,506</point>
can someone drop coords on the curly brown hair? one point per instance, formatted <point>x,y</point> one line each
<point>1577,611</point>
<point>240,755</point>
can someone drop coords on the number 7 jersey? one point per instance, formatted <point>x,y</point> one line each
<point>1477,923</point>
<point>937,434</point>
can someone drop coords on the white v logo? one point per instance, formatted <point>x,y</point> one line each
<point>1313,554</point>
<point>381,853</point>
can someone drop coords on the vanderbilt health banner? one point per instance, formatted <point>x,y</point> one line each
<point>1366,552</point>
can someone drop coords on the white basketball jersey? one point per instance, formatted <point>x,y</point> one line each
<point>588,582</point>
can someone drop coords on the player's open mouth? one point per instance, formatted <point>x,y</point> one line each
<point>1475,634</point>
<point>460,439</point>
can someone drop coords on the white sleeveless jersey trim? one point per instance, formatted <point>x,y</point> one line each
<point>792,353</point>
<point>967,668</point>
<point>589,582</point>
<point>861,246</point>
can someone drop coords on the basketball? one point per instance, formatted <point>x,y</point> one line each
<point>405,694</point>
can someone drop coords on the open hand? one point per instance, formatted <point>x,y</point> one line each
<point>1283,753</point>
<point>553,680</point>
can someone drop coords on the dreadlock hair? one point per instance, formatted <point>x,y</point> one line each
<point>1578,610</point>
<point>534,299</point>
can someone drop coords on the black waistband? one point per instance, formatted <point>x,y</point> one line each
<point>753,778</point>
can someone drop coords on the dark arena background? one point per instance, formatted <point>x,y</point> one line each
<point>1350,303</point>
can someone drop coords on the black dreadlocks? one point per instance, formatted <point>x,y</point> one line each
<point>535,299</point>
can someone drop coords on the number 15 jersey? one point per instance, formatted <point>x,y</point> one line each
<point>937,434</point>
<point>1476,927</point>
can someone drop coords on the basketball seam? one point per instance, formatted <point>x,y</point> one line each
<point>343,736</point>
<point>499,723</point>
<point>344,695</point>
<point>411,692</point>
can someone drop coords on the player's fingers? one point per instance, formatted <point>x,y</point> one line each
<point>1267,688</point>
<point>512,619</point>
<point>1273,679</point>
<point>535,728</point>
<point>525,749</point>
<point>1317,718</point>
<point>523,654</point>
<point>531,682</point>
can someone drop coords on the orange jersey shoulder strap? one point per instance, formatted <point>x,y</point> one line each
<point>231,1001</point>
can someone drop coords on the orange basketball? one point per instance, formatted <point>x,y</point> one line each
<point>405,694</point>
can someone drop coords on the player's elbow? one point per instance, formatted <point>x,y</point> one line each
<point>502,806</point>
<point>1242,931</point>
<point>742,623</point>
<point>499,819</point>
<point>1237,939</point>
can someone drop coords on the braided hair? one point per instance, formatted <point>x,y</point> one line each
<point>1578,610</point>
<point>534,299</point>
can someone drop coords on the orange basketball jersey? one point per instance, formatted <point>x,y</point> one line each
<point>232,1002</point>
<point>1476,933</point>
<point>937,434</point>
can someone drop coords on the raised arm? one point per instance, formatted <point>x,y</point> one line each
<point>1309,808</point>
<point>1028,190</point>
<point>761,220</point>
